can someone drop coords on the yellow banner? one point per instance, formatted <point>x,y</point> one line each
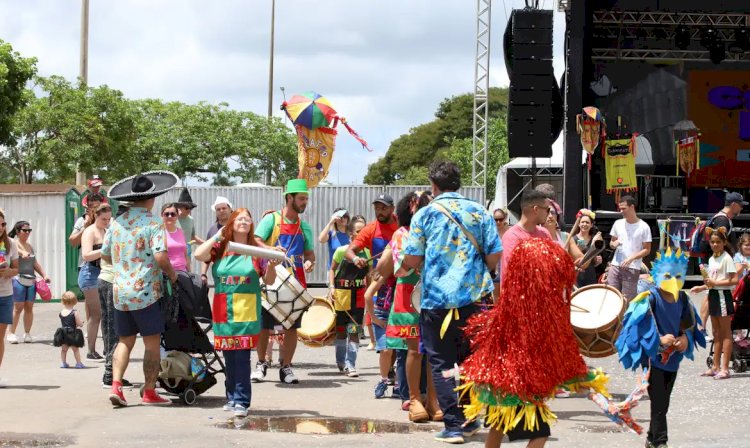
<point>314,153</point>
<point>619,162</point>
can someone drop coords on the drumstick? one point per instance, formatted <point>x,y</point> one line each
<point>583,310</point>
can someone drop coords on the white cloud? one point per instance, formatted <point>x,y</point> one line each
<point>385,65</point>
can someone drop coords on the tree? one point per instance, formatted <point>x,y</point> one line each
<point>453,122</point>
<point>265,143</point>
<point>15,72</point>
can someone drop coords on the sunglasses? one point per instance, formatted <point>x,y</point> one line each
<point>26,230</point>
<point>169,214</point>
<point>499,220</point>
<point>3,224</point>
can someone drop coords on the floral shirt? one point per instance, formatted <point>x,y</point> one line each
<point>454,274</point>
<point>131,242</point>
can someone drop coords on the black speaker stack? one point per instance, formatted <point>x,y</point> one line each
<point>532,83</point>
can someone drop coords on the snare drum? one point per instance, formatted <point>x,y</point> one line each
<point>318,327</point>
<point>596,315</point>
<point>286,299</point>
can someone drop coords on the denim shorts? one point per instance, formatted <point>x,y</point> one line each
<point>380,340</point>
<point>6,310</point>
<point>88,277</point>
<point>23,293</point>
<point>147,321</point>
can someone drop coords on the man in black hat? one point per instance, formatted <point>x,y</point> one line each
<point>185,206</point>
<point>134,245</point>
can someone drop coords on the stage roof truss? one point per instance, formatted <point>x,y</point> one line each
<point>540,171</point>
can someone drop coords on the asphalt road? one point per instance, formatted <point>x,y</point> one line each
<point>46,405</point>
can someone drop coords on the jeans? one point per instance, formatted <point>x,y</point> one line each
<point>403,384</point>
<point>444,354</point>
<point>346,353</point>
<point>109,335</point>
<point>660,388</point>
<point>238,377</point>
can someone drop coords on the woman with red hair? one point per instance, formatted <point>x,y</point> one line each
<point>237,303</point>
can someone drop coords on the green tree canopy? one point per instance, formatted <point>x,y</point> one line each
<point>446,137</point>
<point>15,72</point>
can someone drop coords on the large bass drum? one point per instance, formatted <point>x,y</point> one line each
<point>596,315</point>
<point>286,299</point>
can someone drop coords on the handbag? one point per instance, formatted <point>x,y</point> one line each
<point>416,294</point>
<point>42,288</point>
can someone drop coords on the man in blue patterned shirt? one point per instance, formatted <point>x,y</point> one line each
<point>455,277</point>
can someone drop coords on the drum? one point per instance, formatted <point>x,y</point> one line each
<point>596,315</point>
<point>286,299</point>
<point>318,327</point>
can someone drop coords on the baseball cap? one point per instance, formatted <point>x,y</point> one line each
<point>735,197</point>
<point>384,199</point>
<point>95,181</point>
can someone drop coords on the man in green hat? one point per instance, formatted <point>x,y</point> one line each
<point>286,229</point>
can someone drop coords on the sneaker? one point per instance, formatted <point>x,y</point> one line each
<point>471,428</point>
<point>3,383</point>
<point>94,356</point>
<point>381,388</point>
<point>125,384</point>
<point>240,411</point>
<point>351,372</point>
<point>12,338</point>
<point>65,366</point>
<point>229,406</point>
<point>151,398</point>
<point>455,437</point>
<point>117,398</point>
<point>27,339</point>
<point>79,365</point>
<point>562,393</point>
<point>287,376</point>
<point>261,368</point>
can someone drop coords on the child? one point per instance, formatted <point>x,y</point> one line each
<point>721,277</point>
<point>69,334</point>
<point>742,258</point>
<point>347,287</point>
<point>664,325</point>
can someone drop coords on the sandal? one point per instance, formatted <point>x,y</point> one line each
<point>722,376</point>
<point>710,372</point>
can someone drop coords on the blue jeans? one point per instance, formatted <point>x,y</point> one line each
<point>403,384</point>
<point>443,355</point>
<point>346,353</point>
<point>238,376</point>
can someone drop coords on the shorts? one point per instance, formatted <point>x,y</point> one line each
<point>23,293</point>
<point>146,321</point>
<point>6,310</point>
<point>380,339</point>
<point>720,303</point>
<point>88,277</point>
<point>344,320</point>
<point>268,322</point>
<point>519,433</point>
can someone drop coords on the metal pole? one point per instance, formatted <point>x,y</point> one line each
<point>270,79</point>
<point>84,67</point>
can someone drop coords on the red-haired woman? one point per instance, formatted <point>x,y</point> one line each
<point>236,305</point>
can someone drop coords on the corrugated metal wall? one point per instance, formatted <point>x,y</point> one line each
<point>46,214</point>
<point>323,200</point>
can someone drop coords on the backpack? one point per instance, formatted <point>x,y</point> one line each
<point>699,236</point>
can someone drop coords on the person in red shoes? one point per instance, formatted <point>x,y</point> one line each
<point>134,245</point>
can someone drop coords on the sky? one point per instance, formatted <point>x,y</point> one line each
<point>384,65</point>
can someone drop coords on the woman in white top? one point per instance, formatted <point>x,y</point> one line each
<point>24,284</point>
<point>8,270</point>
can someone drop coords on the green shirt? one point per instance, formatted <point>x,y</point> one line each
<point>265,229</point>
<point>187,224</point>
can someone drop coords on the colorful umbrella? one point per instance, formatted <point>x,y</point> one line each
<point>310,110</point>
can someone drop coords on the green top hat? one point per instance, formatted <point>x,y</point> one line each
<point>296,186</point>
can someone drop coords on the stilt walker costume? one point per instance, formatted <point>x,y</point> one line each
<point>524,348</point>
<point>651,316</point>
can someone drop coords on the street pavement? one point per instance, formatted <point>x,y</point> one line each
<point>48,406</point>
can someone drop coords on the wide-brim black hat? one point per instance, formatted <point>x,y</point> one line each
<point>186,199</point>
<point>143,186</point>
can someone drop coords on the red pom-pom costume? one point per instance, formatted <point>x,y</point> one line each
<point>524,348</point>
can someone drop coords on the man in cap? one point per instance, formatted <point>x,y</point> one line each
<point>286,229</point>
<point>375,236</point>
<point>223,209</point>
<point>134,245</point>
<point>94,186</point>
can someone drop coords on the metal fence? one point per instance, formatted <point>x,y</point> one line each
<point>357,199</point>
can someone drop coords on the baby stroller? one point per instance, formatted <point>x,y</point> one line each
<point>192,363</point>
<point>740,329</point>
